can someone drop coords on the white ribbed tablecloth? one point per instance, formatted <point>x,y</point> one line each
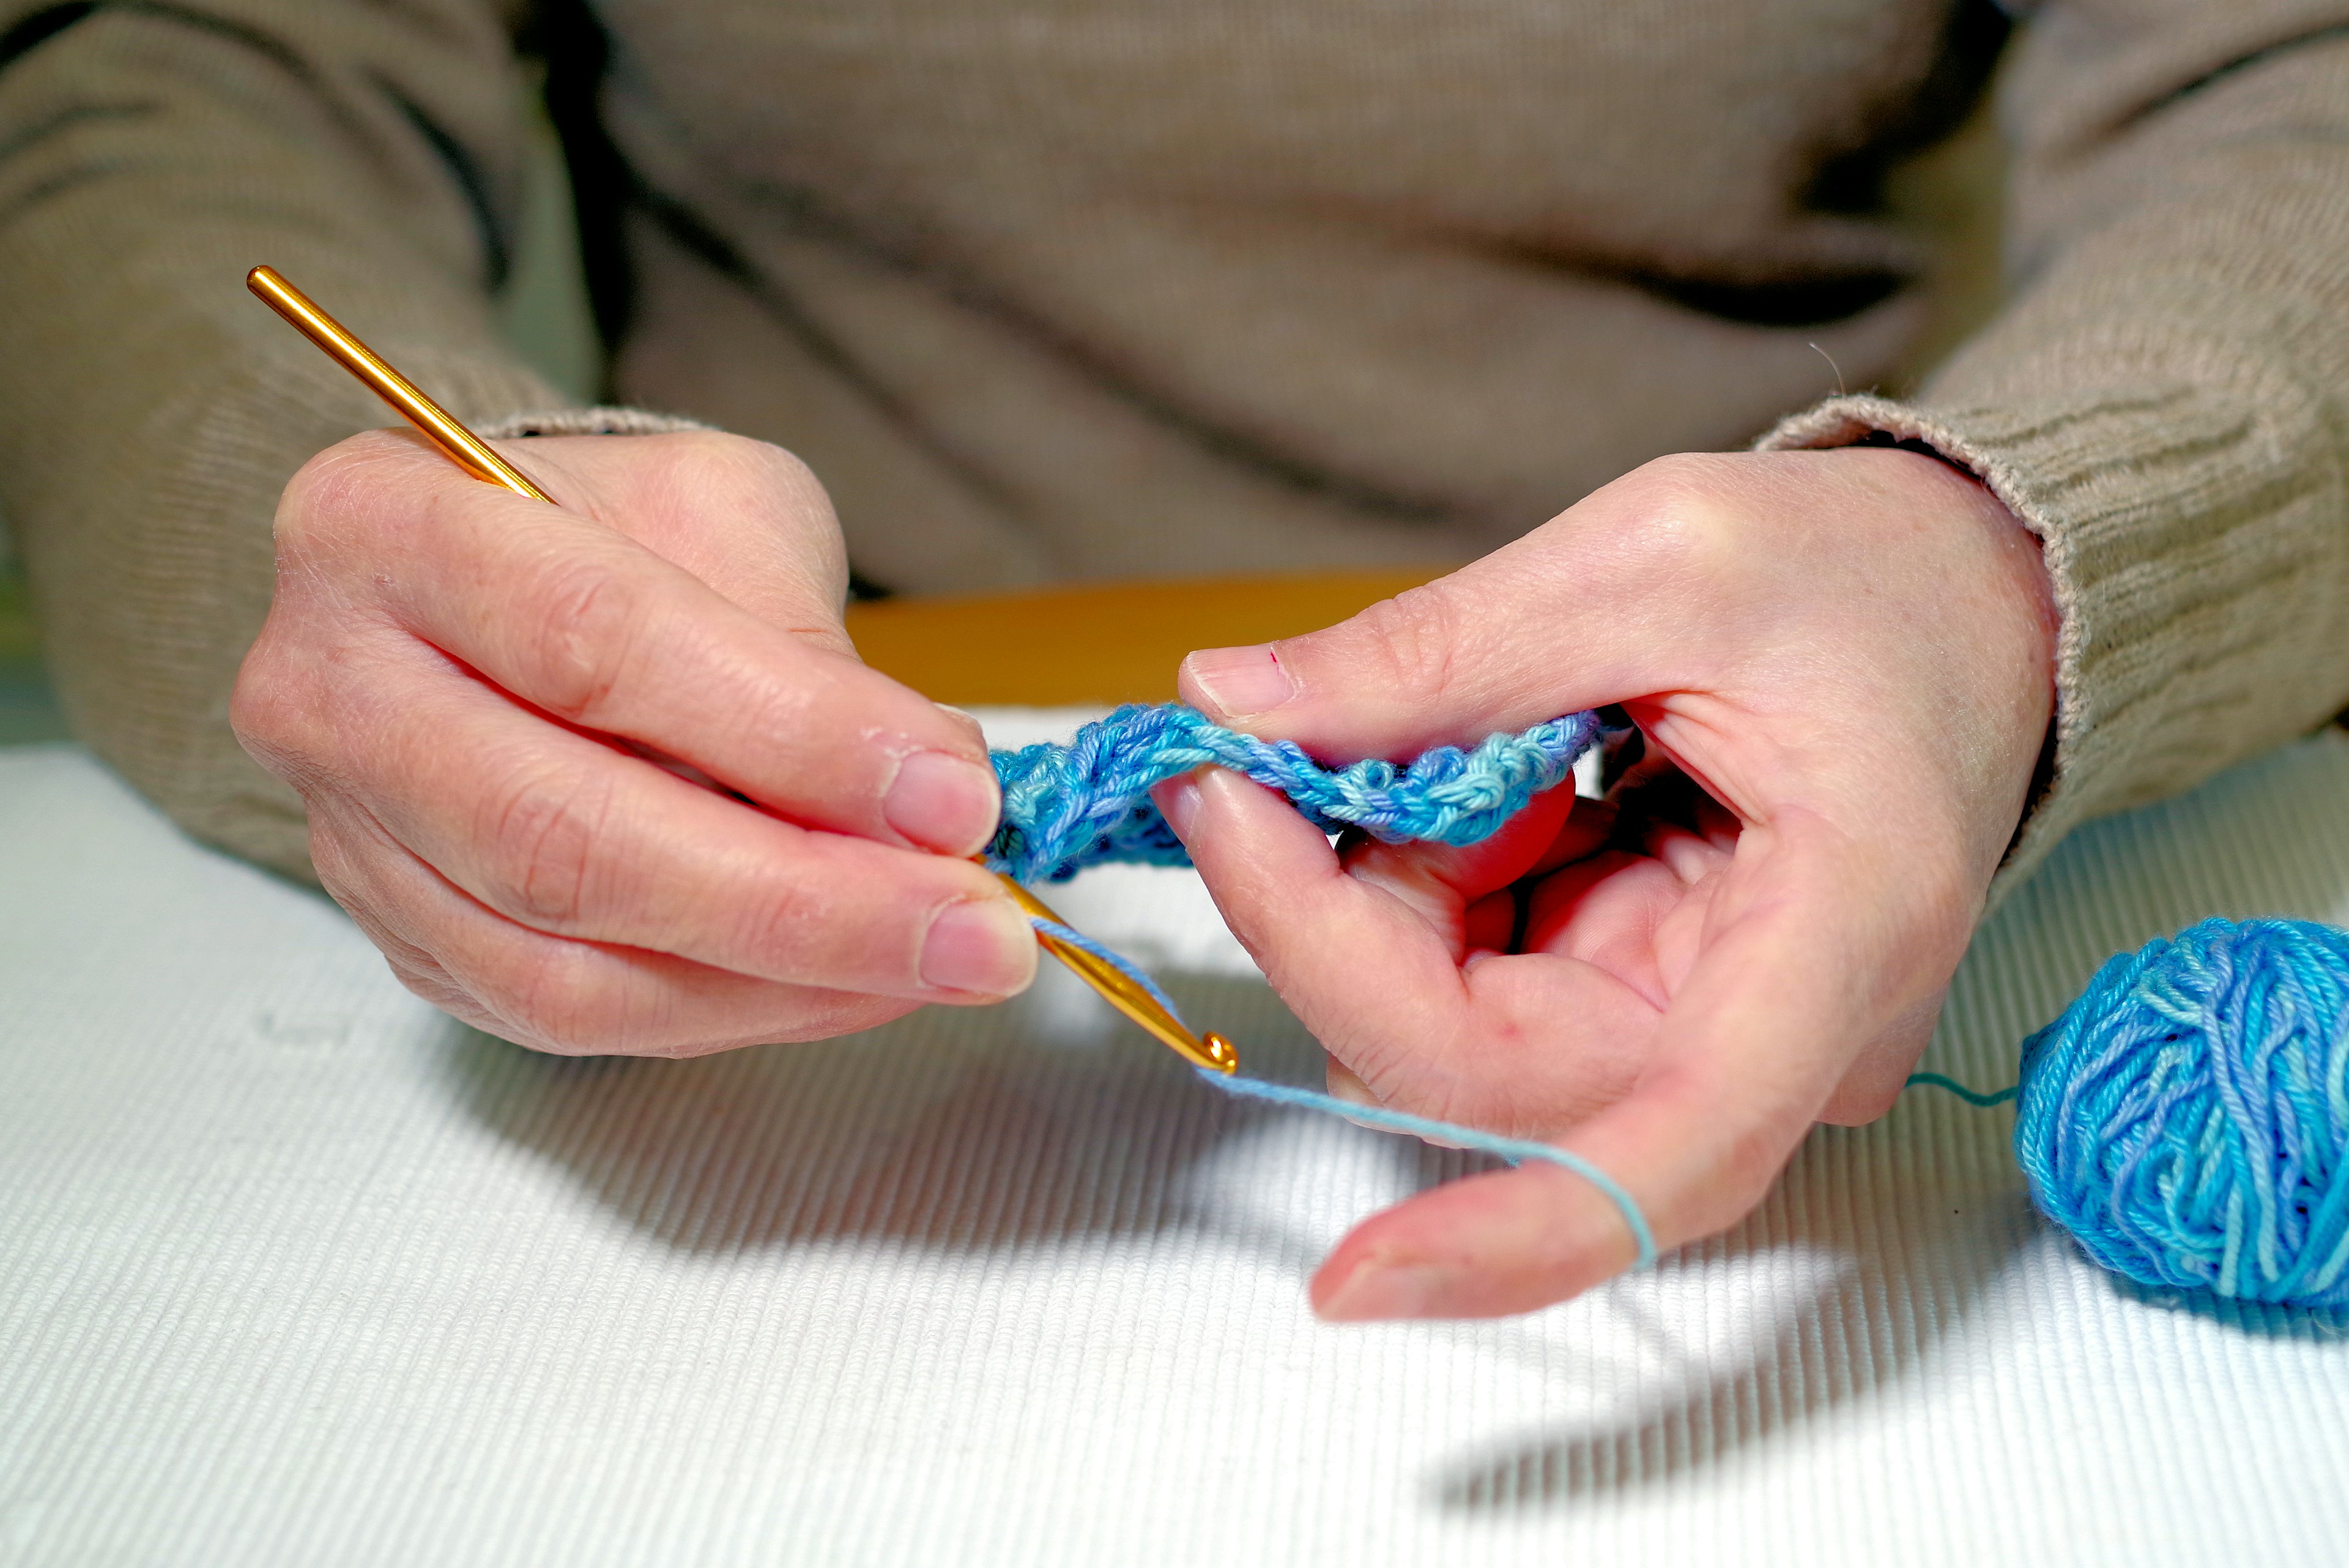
<point>294,1270</point>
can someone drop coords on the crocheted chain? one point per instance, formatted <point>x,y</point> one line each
<point>1087,803</point>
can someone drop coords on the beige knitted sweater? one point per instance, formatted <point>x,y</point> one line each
<point>1066,288</point>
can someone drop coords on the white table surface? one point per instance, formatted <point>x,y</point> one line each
<point>294,1270</point>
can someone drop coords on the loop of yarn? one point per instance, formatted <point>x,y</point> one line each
<point>1087,803</point>
<point>1515,1150</point>
<point>2187,1119</point>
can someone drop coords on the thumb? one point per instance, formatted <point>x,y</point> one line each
<point>1543,627</point>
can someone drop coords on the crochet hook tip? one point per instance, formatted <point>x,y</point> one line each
<point>1214,1052</point>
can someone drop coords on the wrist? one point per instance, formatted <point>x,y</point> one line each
<point>2019,622</point>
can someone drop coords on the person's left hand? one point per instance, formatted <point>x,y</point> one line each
<point>1841,664</point>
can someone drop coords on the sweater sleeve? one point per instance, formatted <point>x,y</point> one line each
<point>2165,402</point>
<point>151,410</point>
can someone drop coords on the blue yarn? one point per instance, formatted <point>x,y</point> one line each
<point>1971,1096</point>
<point>1514,1150</point>
<point>1069,806</point>
<point>2186,1119</point>
<point>1112,957</point>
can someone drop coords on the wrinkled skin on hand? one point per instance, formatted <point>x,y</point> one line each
<point>504,719</point>
<point>1841,665</point>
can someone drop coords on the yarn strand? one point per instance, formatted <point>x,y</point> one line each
<point>1514,1150</point>
<point>1971,1096</point>
<point>1088,803</point>
<point>2187,1119</point>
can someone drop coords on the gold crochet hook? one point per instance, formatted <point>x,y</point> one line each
<point>472,454</point>
<point>1210,1051</point>
<point>433,422</point>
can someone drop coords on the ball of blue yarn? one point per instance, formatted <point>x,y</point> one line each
<point>2186,1119</point>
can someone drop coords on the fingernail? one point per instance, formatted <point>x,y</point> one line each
<point>982,945</point>
<point>1241,682</point>
<point>941,801</point>
<point>1344,1083</point>
<point>964,717</point>
<point>1375,1291</point>
<point>1178,803</point>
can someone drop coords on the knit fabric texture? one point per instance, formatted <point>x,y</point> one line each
<point>1069,806</point>
<point>1130,289</point>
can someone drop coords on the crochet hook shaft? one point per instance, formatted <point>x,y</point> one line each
<point>1210,1051</point>
<point>472,454</point>
<point>433,422</point>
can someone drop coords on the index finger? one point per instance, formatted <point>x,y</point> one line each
<point>597,631</point>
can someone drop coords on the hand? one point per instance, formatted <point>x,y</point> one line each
<point>497,713</point>
<point>1841,666</point>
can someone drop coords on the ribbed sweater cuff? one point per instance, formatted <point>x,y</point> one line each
<point>2196,561</point>
<point>588,422</point>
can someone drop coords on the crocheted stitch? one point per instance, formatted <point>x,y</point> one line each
<point>1069,806</point>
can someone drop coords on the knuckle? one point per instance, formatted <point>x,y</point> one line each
<point>433,984</point>
<point>1413,638</point>
<point>544,835</point>
<point>788,920</point>
<point>713,463</point>
<point>320,701</point>
<point>754,479</point>
<point>745,516</point>
<point>676,461</point>
<point>263,708</point>
<point>586,619</point>
<point>337,866</point>
<point>691,448</point>
<point>720,453</point>
<point>1679,525</point>
<point>333,493</point>
<point>773,467</point>
<point>278,714</point>
<point>543,999</point>
<point>1683,475</point>
<point>773,494</point>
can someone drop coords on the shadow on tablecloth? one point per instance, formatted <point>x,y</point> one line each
<point>1866,1270</point>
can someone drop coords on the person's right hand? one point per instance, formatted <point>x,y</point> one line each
<point>466,688</point>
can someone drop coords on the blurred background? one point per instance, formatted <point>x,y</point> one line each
<point>1949,192</point>
<point>546,315</point>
